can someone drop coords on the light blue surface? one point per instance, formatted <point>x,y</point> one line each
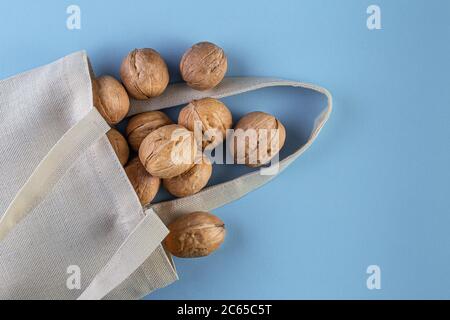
<point>373,189</point>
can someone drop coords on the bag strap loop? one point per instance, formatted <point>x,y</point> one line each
<point>221,194</point>
<point>128,258</point>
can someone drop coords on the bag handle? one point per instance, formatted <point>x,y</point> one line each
<point>52,168</point>
<point>133,252</point>
<point>139,244</point>
<point>92,127</point>
<point>221,194</point>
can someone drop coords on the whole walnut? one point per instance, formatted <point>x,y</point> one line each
<point>213,116</point>
<point>110,99</point>
<point>119,145</point>
<point>253,132</point>
<point>143,124</point>
<point>194,235</point>
<point>144,73</point>
<point>190,182</point>
<point>203,66</point>
<point>168,151</point>
<point>145,185</point>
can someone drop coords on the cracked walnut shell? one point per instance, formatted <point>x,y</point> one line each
<point>203,66</point>
<point>213,117</point>
<point>195,235</point>
<point>141,125</point>
<point>168,151</point>
<point>144,73</point>
<point>258,137</point>
<point>190,182</point>
<point>145,185</point>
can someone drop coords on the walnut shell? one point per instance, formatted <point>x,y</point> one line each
<point>141,125</point>
<point>190,182</point>
<point>265,131</point>
<point>168,151</point>
<point>203,66</point>
<point>110,99</point>
<point>145,185</point>
<point>194,235</point>
<point>119,145</point>
<point>213,116</point>
<point>144,73</point>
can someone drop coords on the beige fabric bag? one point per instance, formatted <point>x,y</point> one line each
<point>67,201</point>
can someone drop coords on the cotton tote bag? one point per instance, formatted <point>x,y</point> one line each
<point>71,224</point>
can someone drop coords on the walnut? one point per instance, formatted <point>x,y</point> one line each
<point>190,182</point>
<point>213,116</point>
<point>110,99</point>
<point>141,125</point>
<point>119,145</point>
<point>203,66</point>
<point>258,137</point>
<point>145,185</point>
<point>144,74</point>
<point>194,235</point>
<point>168,151</point>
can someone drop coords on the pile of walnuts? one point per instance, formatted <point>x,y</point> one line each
<point>174,162</point>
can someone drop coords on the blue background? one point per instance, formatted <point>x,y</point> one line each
<point>373,189</point>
